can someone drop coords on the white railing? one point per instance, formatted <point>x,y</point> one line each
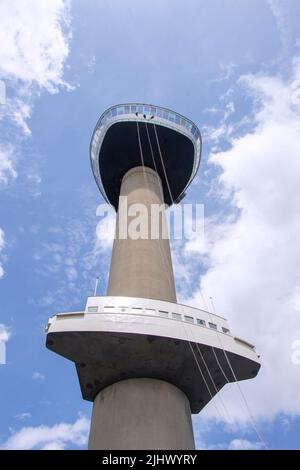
<point>157,308</point>
<point>134,112</point>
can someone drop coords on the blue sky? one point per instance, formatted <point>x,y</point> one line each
<point>231,66</point>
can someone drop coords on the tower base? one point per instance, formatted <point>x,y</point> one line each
<point>142,414</point>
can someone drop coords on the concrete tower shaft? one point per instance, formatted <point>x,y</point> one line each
<point>141,413</point>
<point>142,267</point>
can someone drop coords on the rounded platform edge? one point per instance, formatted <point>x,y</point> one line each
<point>89,344</point>
<point>141,113</point>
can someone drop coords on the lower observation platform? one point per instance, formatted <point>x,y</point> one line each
<point>118,338</point>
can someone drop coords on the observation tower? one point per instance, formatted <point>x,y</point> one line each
<point>145,361</point>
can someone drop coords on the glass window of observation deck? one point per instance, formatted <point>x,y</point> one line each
<point>176,316</point>
<point>188,319</point>
<point>177,119</point>
<point>163,313</point>
<point>120,110</point>
<point>151,311</point>
<point>93,309</point>
<point>194,131</point>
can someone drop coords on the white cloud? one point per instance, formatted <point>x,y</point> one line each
<point>279,9</point>
<point>253,257</point>
<point>105,230</point>
<point>33,52</point>
<point>38,376</point>
<point>54,445</point>
<point>227,70</point>
<point>18,109</point>
<point>2,244</point>
<point>234,444</point>
<point>5,333</point>
<point>71,273</point>
<point>22,416</point>
<point>91,64</point>
<point>225,128</point>
<point>33,182</point>
<point>53,437</point>
<point>77,253</point>
<point>36,45</point>
<point>244,444</point>
<point>204,433</point>
<point>7,171</point>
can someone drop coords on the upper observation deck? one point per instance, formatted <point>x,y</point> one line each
<point>130,135</point>
<point>117,338</point>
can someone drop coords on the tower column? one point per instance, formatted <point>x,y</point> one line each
<point>141,267</point>
<point>137,414</point>
<point>141,413</point>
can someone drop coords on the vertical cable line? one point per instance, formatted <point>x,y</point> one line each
<point>214,385</point>
<point>213,349</point>
<point>170,281</point>
<point>193,352</point>
<point>213,396</point>
<point>155,167</point>
<point>252,420</point>
<point>222,347</point>
<point>203,378</point>
<point>163,165</point>
<point>162,255</point>
<point>153,159</point>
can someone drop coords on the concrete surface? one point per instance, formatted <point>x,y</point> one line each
<point>143,267</point>
<point>141,414</point>
<point>119,349</point>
